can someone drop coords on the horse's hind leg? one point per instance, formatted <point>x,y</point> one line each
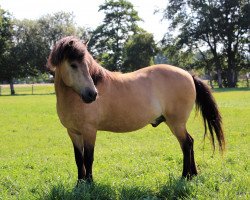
<point>186,143</point>
<point>189,167</point>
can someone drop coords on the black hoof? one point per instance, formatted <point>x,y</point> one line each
<point>189,176</point>
<point>79,182</point>
<point>84,181</point>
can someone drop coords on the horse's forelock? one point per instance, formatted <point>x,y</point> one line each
<point>69,48</point>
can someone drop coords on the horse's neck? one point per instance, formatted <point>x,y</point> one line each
<point>58,83</point>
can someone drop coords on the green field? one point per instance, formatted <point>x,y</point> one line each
<point>37,160</point>
<point>27,89</point>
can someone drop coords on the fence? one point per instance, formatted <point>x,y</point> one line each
<point>28,89</point>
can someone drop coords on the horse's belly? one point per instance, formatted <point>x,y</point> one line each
<point>129,121</point>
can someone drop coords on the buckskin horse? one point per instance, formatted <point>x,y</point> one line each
<point>91,98</point>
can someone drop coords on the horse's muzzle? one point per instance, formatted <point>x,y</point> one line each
<point>88,95</point>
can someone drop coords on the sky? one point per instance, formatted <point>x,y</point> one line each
<point>86,12</point>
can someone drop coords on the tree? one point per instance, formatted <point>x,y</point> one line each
<point>24,56</point>
<point>220,26</point>
<point>29,42</point>
<point>54,27</point>
<point>171,50</point>
<point>6,31</point>
<point>30,48</point>
<point>108,39</point>
<point>139,51</point>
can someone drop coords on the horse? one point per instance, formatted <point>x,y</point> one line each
<point>91,98</point>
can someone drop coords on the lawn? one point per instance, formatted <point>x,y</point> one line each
<point>27,89</point>
<point>37,160</point>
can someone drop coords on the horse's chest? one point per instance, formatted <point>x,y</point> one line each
<point>71,116</point>
<point>66,117</point>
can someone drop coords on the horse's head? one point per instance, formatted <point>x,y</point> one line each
<point>72,61</point>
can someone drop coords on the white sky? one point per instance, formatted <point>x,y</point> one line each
<point>86,11</point>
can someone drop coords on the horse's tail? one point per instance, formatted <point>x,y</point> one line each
<point>205,103</point>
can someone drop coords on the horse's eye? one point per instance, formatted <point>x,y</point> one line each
<point>74,66</point>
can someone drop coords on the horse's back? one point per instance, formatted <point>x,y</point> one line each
<point>169,81</point>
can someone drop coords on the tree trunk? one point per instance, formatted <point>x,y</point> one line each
<point>210,80</point>
<point>219,77</point>
<point>231,78</point>
<point>247,79</point>
<point>218,68</point>
<point>12,90</point>
<point>231,63</point>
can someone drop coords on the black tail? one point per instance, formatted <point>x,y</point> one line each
<point>205,102</point>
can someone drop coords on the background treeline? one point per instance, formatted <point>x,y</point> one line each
<point>210,37</point>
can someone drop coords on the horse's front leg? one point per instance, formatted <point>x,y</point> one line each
<point>84,153</point>
<point>88,159</point>
<point>84,161</point>
<point>79,163</point>
<point>89,137</point>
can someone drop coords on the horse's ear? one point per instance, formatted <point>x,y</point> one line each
<point>71,43</point>
<point>86,42</point>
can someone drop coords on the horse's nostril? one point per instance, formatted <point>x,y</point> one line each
<point>89,95</point>
<point>92,95</point>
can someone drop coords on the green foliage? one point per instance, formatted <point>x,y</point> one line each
<point>220,27</point>
<point>28,43</point>
<point>37,159</point>
<point>109,38</point>
<point>183,59</point>
<point>60,24</point>
<point>139,51</point>
<point>30,50</point>
<point>6,30</point>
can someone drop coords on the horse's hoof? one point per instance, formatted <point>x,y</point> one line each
<point>84,181</point>
<point>189,176</point>
<point>79,182</point>
<point>89,180</point>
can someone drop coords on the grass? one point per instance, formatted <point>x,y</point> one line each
<point>37,160</point>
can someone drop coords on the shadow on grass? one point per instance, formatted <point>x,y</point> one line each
<point>83,191</point>
<point>172,189</point>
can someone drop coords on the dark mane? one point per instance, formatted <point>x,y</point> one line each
<point>97,72</point>
<point>69,48</point>
<point>72,48</point>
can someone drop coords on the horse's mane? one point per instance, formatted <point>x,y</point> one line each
<point>71,48</point>
<point>97,72</point>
